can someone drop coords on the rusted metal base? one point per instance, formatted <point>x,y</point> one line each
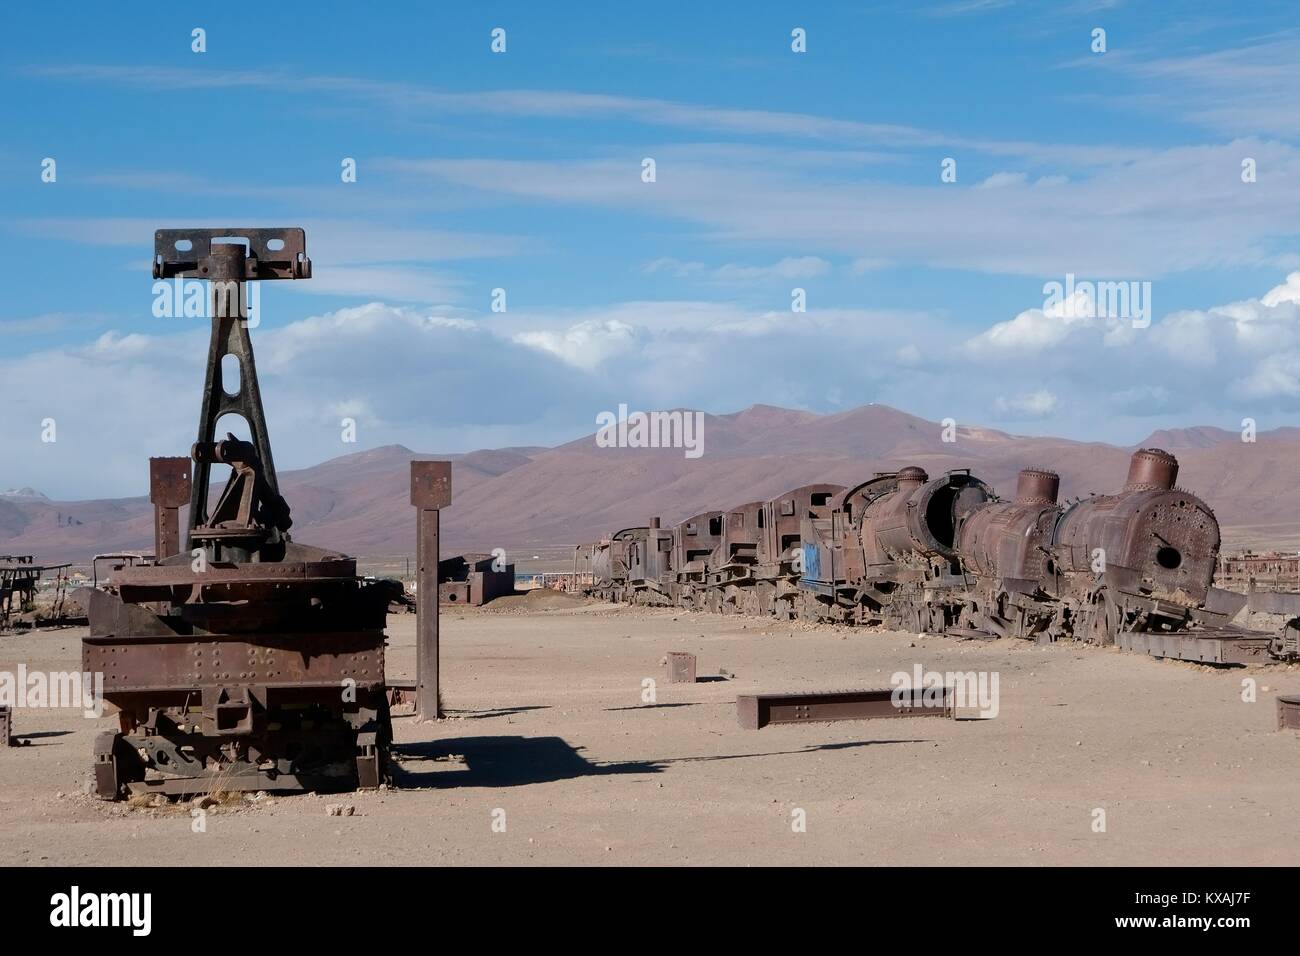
<point>245,676</point>
<point>756,711</point>
<point>300,748</point>
<point>681,667</point>
<point>1288,713</point>
<point>1213,645</point>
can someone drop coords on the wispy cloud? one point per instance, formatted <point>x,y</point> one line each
<point>1135,219</point>
<point>1250,89</point>
<point>538,104</point>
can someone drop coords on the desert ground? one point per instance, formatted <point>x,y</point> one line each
<point>548,734</point>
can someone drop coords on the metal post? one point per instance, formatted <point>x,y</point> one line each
<point>169,488</point>
<point>430,492</point>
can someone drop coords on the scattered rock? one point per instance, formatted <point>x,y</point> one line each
<point>339,809</point>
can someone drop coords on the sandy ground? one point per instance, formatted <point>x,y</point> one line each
<point>549,733</point>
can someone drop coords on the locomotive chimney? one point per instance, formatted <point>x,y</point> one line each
<point>1151,469</point>
<point>1037,486</point>
<point>911,478</point>
<point>654,522</point>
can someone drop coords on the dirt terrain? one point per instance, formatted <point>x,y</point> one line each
<point>548,733</point>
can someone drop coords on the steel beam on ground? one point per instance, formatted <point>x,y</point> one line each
<point>756,711</point>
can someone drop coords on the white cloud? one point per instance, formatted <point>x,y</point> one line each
<point>1037,329</point>
<point>587,344</point>
<point>446,380</point>
<point>791,267</point>
<point>406,99</point>
<point>1000,180</point>
<point>674,267</point>
<point>1027,405</point>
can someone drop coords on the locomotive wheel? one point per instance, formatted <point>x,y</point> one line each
<point>1103,619</point>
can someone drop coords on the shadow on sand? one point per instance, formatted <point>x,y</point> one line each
<point>520,761</point>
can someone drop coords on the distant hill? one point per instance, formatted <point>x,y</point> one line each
<point>520,498</point>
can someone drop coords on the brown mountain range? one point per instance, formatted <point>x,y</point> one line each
<point>528,498</point>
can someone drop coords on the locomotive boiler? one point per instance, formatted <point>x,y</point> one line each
<point>947,555</point>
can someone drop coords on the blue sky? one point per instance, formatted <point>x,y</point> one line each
<point>775,170</point>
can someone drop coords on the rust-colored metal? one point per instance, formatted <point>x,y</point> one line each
<point>1260,572</point>
<point>1037,486</point>
<point>650,565</point>
<point>1151,469</point>
<point>430,492</point>
<point>1288,713</point>
<point>249,660</point>
<point>681,667</point>
<point>756,711</point>
<point>229,258</point>
<point>474,579</point>
<point>20,578</point>
<point>945,555</point>
<point>169,490</point>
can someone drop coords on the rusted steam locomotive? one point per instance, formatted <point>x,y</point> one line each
<point>946,555</point>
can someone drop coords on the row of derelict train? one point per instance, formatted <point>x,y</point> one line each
<point>946,555</point>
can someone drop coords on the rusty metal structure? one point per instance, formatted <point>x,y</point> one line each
<point>1288,713</point>
<point>20,579</point>
<point>756,711</point>
<point>245,661</point>
<point>1262,571</point>
<point>681,667</point>
<point>608,563</point>
<point>474,579</point>
<point>430,493</point>
<point>19,576</point>
<point>946,555</point>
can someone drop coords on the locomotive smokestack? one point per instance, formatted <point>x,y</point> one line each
<point>1037,486</point>
<point>654,522</point>
<point>1151,469</point>
<point>911,478</point>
